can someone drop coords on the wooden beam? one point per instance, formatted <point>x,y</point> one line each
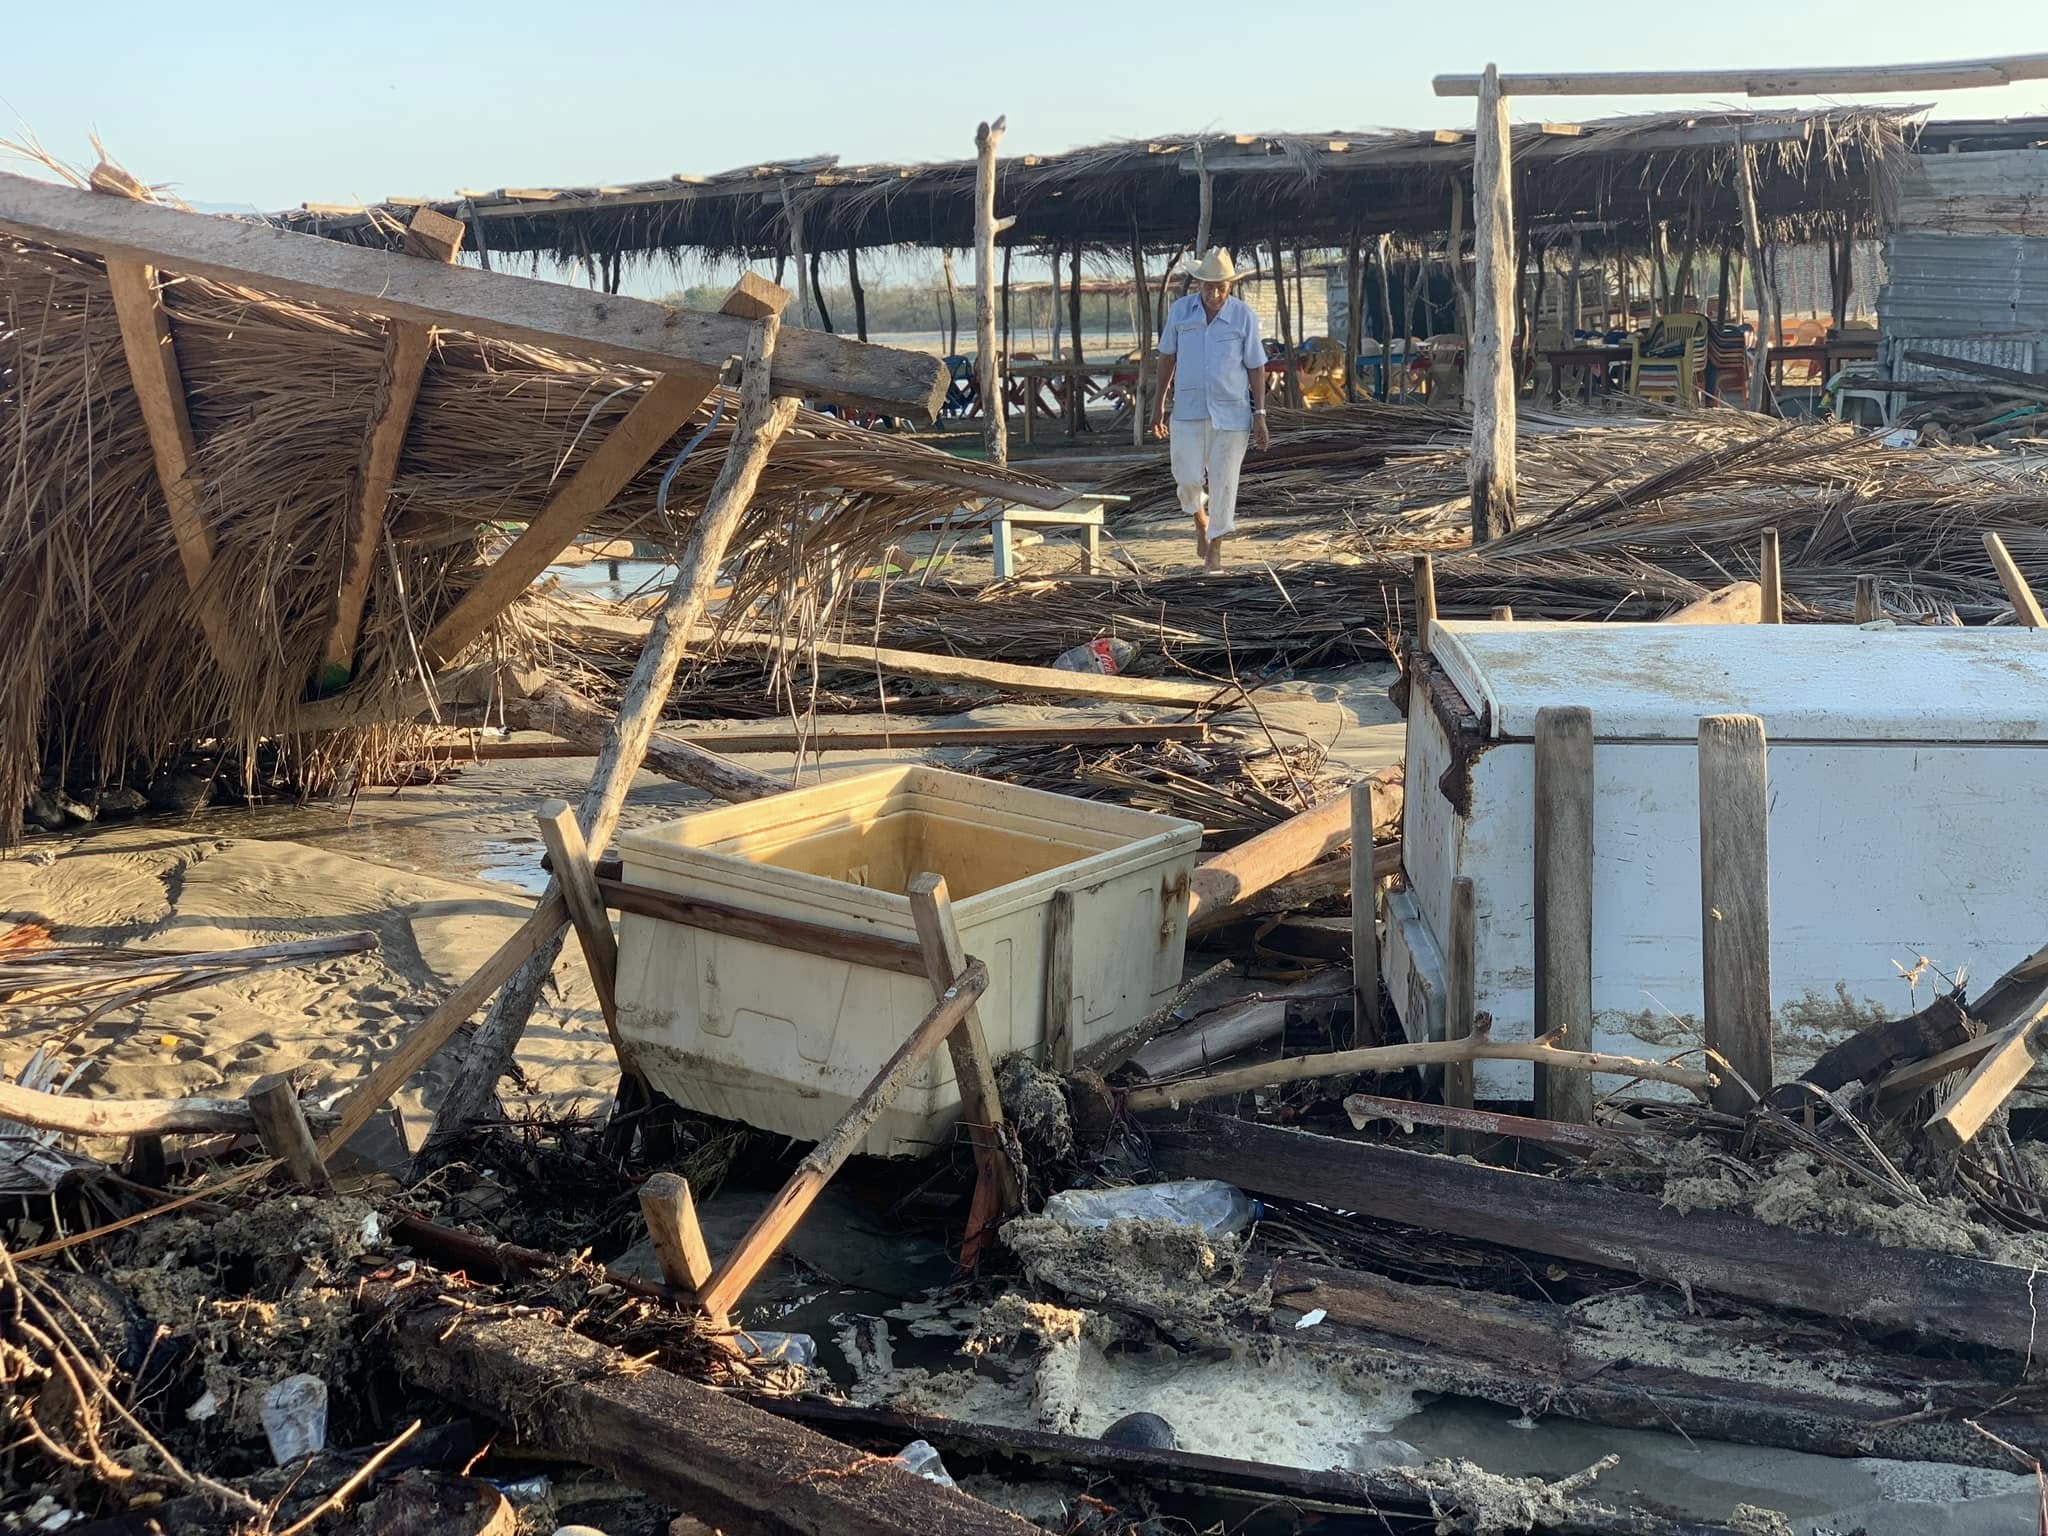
<point>1231,876</point>
<point>1844,1277</point>
<point>1917,1077</point>
<point>981,1107</point>
<point>1766,316</point>
<point>569,861</point>
<point>657,416</point>
<point>1735,903</point>
<point>159,385</point>
<point>2025,606</point>
<point>281,1123</point>
<point>1564,901</point>
<point>1826,80</point>
<point>1366,1108</point>
<point>683,1444</point>
<point>828,738</point>
<point>948,1016</point>
<point>1365,915</point>
<point>495,304</point>
<point>995,428</point>
<point>1490,366</point>
<point>1984,1092</point>
<point>670,1212</point>
<point>1461,967</point>
<point>560,709</point>
<point>1059,983</point>
<point>406,347</point>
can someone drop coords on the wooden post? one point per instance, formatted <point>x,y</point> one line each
<point>1489,371</point>
<point>1463,981</point>
<point>1425,606</point>
<point>948,1016</point>
<point>988,363</point>
<point>1009,345</point>
<point>1141,330</point>
<point>1869,605</point>
<point>670,1212</point>
<point>2025,606</point>
<point>762,420</point>
<point>1454,258</point>
<point>1365,927</point>
<point>406,346</point>
<point>1205,182</point>
<point>570,862</point>
<point>818,291</point>
<point>1735,903</point>
<point>1564,903</point>
<point>793,224</point>
<point>1766,318</point>
<point>1380,251</point>
<point>1354,313</point>
<point>1770,576</point>
<point>952,303</point>
<point>860,294</point>
<point>281,1123</point>
<point>1504,614</point>
<point>981,1108</point>
<point>1290,391</point>
<point>1077,391</point>
<point>1059,983</point>
<point>1052,326</point>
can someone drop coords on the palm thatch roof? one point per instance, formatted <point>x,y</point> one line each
<point>1820,173</point>
<point>107,665</point>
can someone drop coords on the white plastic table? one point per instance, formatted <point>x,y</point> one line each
<point>1084,512</point>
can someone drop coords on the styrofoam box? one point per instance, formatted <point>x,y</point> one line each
<point>1908,821</point>
<point>786,1041</point>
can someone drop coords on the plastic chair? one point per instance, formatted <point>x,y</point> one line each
<point>1670,364</point>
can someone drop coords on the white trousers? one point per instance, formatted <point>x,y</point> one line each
<point>1203,452</point>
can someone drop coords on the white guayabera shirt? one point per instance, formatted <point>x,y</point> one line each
<point>1213,355</point>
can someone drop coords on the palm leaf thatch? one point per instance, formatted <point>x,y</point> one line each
<point>107,665</point>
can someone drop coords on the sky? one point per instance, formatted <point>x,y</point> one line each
<point>357,100</point>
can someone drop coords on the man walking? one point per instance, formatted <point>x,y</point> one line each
<point>1214,364</point>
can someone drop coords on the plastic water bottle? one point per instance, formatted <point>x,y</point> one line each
<point>783,1348</point>
<point>922,1459</point>
<point>1217,1208</point>
<point>1106,655</point>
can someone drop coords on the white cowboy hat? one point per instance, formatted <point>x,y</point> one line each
<point>1217,267</point>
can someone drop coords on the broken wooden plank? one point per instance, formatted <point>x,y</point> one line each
<point>974,1069</point>
<point>1365,915</point>
<point>1232,877</point>
<point>560,709</point>
<point>948,1015</point>
<point>406,348</point>
<point>747,739</point>
<point>1902,1289</point>
<point>1461,1026</point>
<point>612,327</point>
<point>1871,1052</point>
<point>1395,1058</point>
<point>1735,904</point>
<point>848,944</point>
<point>1869,606</point>
<point>1324,880</point>
<point>2025,606</point>
<point>1564,901</point>
<point>569,862</point>
<point>1984,1092</point>
<point>670,1211</point>
<point>687,1445</point>
<point>1917,1077</point>
<point>281,1123</point>
<point>1365,1108</point>
<point>1003,676</point>
<point>76,1115</point>
<point>1059,982</point>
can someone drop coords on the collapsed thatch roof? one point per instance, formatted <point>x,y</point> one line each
<point>1614,180</point>
<point>106,660</point>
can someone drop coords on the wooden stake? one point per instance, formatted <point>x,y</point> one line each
<point>1462,983</point>
<point>2025,606</point>
<point>1059,983</point>
<point>948,1016</point>
<point>1425,606</point>
<point>988,361</point>
<point>1489,370</point>
<point>762,421</point>
<point>1869,606</point>
<point>281,1123</point>
<point>671,1215</point>
<point>1735,903</point>
<point>981,1107</point>
<point>1772,579</point>
<point>406,347</point>
<point>1504,614</point>
<point>1365,926</point>
<point>1564,902</point>
<point>656,417</point>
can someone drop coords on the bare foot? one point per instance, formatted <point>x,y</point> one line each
<point>1201,536</point>
<point>1212,557</point>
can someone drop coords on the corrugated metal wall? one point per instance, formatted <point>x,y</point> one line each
<point>1966,271</point>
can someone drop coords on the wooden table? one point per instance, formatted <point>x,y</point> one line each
<point>1827,356</point>
<point>1597,360</point>
<point>1031,372</point>
<point>1083,512</point>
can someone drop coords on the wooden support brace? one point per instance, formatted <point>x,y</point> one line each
<point>950,1015</point>
<point>569,862</point>
<point>1735,903</point>
<point>1564,902</point>
<point>981,1107</point>
<point>1984,1092</point>
<point>1462,963</point>
<point>656,417</point>
<point>1365,918</point>
<point>1059,983</point>
<point>281,1123</point>
<point>407,344</point>
<point>2025,606</point>
<point>671,1215</point>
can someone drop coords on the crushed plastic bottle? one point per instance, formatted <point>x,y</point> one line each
<point>294,1414</point>
<point>922,1459</point>
<point>784,1348</point>
<point>1217,1208</point>
<point>1106,655</point>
